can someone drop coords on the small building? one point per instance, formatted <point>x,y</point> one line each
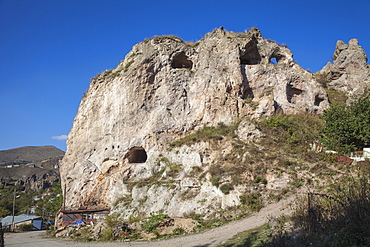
<point>361,155</point>
<point>22,220</point>
<point>86,215</point>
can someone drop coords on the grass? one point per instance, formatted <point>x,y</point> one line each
<point>151,223</point>
<point>207,133</point>
<point>291,134</point>
<point>252,200</point>
<point>256,237</point>
<point>128,64</point>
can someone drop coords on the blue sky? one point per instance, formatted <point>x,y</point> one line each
<point>50,49</point>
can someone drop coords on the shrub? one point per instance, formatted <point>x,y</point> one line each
<point>25,227</point>
<point>225,188</point>
<point>111,220</point>
<point>253,200</point>
<point>348,127</point>
<point>338,217</point>
<point>260,180</point>
<point>151,223</point>
<point>178,231</point>
<point>107,235</point>
<point>215,180</point>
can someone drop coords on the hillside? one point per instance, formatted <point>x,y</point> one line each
<point>34,173</point>
<point>29,154</point>
<point>164,89</point>
<point>211,131</point>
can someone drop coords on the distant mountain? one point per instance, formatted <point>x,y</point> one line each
<point>29,154</point>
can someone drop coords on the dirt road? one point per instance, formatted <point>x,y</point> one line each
<point>209,238</point>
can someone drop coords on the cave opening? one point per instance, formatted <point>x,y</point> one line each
<point>250,54</point>
<point>292,93</point>
<point>318,100</point>
<point>181,61</point>
<point>137,155</point>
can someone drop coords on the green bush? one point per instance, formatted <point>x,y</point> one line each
<point>150,224</point>
<point>215,180</point>
<point>225,188</point>
<point>347,127</point>
<point>178,231</point>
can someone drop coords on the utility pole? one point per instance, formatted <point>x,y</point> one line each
<point>64,197</point>
<point>1,235</point>
<point>13,224</point>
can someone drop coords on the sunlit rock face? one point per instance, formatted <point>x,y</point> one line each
<point>349,71</point>
<point>162,90</point>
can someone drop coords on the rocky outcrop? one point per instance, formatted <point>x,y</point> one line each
<point>118,153</point>
<point>349,72</point>
<point>33,176</point>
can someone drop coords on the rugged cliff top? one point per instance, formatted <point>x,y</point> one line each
<point>349,72</point>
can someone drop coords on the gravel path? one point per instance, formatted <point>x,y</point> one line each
<point>208,238</point>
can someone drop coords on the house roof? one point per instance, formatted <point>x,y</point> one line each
<point>7,221</point>
<point>85,210</point>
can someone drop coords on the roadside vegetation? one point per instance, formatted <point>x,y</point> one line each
<point>339,216</point>
<point>335,209</point>
<point>43,202</point>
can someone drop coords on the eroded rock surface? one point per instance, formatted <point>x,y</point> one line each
<point>350,72</point>
<point>118,153</point>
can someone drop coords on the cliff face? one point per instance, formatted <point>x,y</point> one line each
<point>349,71</point>
<point>163,89</point>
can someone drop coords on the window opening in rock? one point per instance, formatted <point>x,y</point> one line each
<point>137,155</point>
<point>273,60</point>
<point>181,61</point>
<point>250,55</point>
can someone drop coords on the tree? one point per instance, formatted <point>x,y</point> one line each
<point>4,212</point>
<point>348,126</point>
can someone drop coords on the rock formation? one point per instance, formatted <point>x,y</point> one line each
<point>350,72</point>
<point>162,90</point>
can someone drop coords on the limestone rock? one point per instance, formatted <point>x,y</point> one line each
<point>247,131</point>
<point>349,72</point>
<point>118,153</point>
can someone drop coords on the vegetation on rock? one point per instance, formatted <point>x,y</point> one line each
<point>338,216</point>
<point>347,127</point>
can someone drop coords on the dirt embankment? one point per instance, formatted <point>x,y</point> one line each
<point>209,238</point>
